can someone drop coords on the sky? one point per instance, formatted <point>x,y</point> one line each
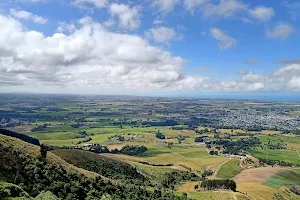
<point>150,47</point>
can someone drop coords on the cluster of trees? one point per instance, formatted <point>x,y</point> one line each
<point>133,150</point>
<point>165,123</point>
<point>159,135</point>
<point>35,176</point>
<point>20,136</point>
<point>199,139</point>
<point>237,146</point>
<point>218,184</point>
<point>39,128</point>
<point>212,152</point>
<point>170,180</point>
<point>295,189</point>
<point>275,162</point>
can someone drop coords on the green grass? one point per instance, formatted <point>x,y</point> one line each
<point>283,178</point>
<point>290,156</point>
<point>101,138</point>
<point>70,142</point>
<point>190,152</point>
<point>229,169</point>
<point>53,135</point>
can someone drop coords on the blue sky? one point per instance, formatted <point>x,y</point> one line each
<point>150,46</point>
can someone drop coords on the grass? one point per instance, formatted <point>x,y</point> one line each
<point>216,195</point>
<point>283,178</point>
<point>33,151</point>
<point>229,169</point>
<point>53,135</point>
<point>290,156</point>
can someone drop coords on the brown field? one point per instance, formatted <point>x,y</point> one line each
<point>257,175</point>
<point>188,187</point>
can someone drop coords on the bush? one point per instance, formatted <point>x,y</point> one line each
<point>295,189</point>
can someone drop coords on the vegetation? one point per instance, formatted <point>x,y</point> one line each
<point>35,176</point>
<point>229,169</point>
<point>23,137</point>
<point>218,184</point>
<point>284,178</point>
<point>111,168</point>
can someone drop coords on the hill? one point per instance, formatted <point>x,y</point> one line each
<point>33,174</point>
<point>108,167</point>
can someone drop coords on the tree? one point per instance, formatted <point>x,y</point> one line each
<point>43,151</point>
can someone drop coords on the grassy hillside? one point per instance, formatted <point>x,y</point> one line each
<point>33,151</point>
<point>108,167</point>
<point>21,165</point>
<point>229,169</point>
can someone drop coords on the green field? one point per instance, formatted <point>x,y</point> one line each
<point>229,169</point>
<point>54,135</point>
<point>290,156</point>
<point>283,178</point>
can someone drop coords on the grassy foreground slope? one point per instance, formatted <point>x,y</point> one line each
<point>33,151</point>
<point>24,168</point>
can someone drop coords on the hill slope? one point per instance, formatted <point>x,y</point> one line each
<point>102,165</point>
<point>19,165</point>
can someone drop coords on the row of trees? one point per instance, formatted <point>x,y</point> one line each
<point>20,136</point>
<point>218,184</point>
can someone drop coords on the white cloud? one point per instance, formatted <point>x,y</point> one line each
<point>96,3</point>
<point>162,34</point>
<point>128,18</point>
<point>22,14</point>
<point>224,41</point>
<point>191,5</point>
<point>225,8</point>
<point>262,13</point>
<point>281,31</point>
<point>90,57</point>
<point>164,6</point>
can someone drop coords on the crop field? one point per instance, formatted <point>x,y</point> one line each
<point>283,178</point>
<point>290,156</point>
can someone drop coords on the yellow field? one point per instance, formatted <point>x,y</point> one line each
<point>195,158</point>
<point>217,195</point>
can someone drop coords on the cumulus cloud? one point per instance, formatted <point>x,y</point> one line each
<point>224,41</point>
<point>281,31</point>
<point>162,34</point>
<point>225,8</point>
<point>164,6</point>
<point>128,17</point>
<point>262,13</point>
<point>22,14</point>
<point>90,57</point>
<point>288,74</point>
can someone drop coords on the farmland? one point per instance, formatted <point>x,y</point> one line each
<point>201,139</point>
